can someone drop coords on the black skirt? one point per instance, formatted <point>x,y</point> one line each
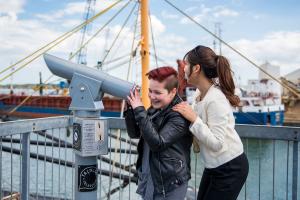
<point>224,182</point>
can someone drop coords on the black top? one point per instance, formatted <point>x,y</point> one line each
<point>168,136</point>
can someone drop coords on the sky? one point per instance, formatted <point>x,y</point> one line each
<point>263,30</point>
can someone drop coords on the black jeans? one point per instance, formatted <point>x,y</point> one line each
<point>224,182</point>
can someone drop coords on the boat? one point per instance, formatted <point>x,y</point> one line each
<point>254,110</point>
<point>260,103</point>
<point>16,106</point>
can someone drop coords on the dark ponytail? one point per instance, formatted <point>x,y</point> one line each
<point>226,81</point>
<point>214,66</point>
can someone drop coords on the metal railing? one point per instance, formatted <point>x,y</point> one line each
<point>36,160</point>
<point>273,154</point>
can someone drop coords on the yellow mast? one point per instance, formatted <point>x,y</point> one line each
<point>145,51</point>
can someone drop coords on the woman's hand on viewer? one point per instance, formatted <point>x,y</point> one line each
<point>134,99</point>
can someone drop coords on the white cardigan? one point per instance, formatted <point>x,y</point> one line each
<point>214,129</point>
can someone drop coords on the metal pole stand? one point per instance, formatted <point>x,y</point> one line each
<point>90,134</point>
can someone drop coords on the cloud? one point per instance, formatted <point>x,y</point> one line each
<point>225,12</point>
<point>205,13</point>
<point>157,26</point>
<point>11,6</point>
<point>18,40</point>
<point>279,48</point>
<point>10,9</point>
<point>22,37</point>
<point>75,9</point>
<point>167,15</point>
<point>258,16</point>
<point>191,9</point>
<point>169,46</point>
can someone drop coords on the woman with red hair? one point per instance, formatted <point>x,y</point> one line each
<point>163,163</point>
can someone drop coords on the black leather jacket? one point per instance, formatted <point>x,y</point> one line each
<point>167,134</point>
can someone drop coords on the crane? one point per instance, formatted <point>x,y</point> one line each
<point>88,12</point>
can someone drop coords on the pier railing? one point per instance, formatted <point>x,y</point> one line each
<point>37,161</point>
<point>273,154</point>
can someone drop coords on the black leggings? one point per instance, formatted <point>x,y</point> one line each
<point>224,182</point>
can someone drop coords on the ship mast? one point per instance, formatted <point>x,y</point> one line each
<point>145,51</point>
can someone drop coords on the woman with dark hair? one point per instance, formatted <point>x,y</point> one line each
<point>163,163</point>
<point>212,123</point>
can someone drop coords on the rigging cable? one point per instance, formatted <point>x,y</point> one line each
<point>116,49</point>
<point>129,73</point>
<point>123,102</point>
<point>119,33</point>
<point>116,59</point>
<point>59,39</point>
<point>97,32</point>
<point>152,37</point>
<point>160,59</point>
<point>233,49</point>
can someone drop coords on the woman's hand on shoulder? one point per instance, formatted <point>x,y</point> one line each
<point>186,111</point>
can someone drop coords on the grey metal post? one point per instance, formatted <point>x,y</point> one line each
<point>81,161</point>
<point>25,166</point>
<point>295,170</point>
<point>86,103</point>
<point>87,89</point>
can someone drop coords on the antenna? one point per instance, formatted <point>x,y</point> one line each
<point>218,32</point>
<point>11,87</point>
<point>105,50</point>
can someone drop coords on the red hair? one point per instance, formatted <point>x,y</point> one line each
<point>166,73</point>
<point>161,73</point>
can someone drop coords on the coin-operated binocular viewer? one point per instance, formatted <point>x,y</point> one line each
<point>90,133</point>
